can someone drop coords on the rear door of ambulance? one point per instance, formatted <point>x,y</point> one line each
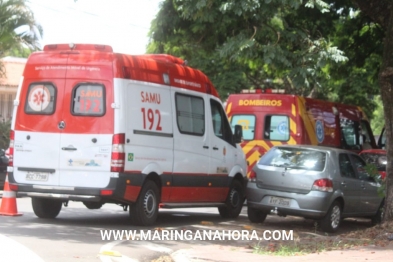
<point>64,125</point>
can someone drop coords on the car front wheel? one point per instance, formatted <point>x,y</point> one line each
<point>377,219</point>
<point>332,220</point>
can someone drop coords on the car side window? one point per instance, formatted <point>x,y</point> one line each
<point>346,168</point>
<point>360,167</point>
<point>221,126</point>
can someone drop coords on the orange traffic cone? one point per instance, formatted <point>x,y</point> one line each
<point>8,203</point>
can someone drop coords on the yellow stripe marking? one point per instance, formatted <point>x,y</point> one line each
<point>292,125</point>
<point>308,123</point>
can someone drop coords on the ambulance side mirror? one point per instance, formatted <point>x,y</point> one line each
<point>237,137</point>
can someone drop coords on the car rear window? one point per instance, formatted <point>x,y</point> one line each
<point>89,100</point>
<point>41,98</point>
<point>294,158</point>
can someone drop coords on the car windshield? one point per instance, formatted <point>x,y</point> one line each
<point>294,158</point>
<point>378,160</point>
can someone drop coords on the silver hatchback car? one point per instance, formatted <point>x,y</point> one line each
<point>321,183</point>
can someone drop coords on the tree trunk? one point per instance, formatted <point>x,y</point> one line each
<point>386,84</point>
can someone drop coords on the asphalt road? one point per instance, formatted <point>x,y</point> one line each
<point>76,234</point>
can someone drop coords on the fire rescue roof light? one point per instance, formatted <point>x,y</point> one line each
<point>261,91</point>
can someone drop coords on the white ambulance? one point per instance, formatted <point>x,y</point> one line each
<point>141,131</point>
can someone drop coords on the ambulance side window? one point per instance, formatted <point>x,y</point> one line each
<point>88,100</point>
<point>276,128</point>
<point>221,126</point>
<point>248,124</point>
<point>41,99</point>
<point>190,114</point>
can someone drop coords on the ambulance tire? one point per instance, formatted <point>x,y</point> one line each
<point>145,211</point>
<point>234,202</point>
<point>45,207</point>
<point>93,205</point>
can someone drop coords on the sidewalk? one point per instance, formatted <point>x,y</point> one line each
<point>218,253</point>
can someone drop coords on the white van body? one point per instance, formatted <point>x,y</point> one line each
<point>141,131</point>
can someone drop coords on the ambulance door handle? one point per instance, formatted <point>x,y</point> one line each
<point>206,147</point>
<point>215,148</point>
<point>69,148</point>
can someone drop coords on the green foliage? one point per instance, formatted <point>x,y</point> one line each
<point>378,121</point>
<point>259,38</point>
<point>288,44</point>
<point>18,28</point>
<point>372,170</point>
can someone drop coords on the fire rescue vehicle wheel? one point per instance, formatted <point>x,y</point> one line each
<point>234,202</point>
<point>145,211</point>
<point>46,207</point>
<point>255,215</point>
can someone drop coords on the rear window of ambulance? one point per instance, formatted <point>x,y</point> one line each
<point>89,100</point>
<point>41,98</point>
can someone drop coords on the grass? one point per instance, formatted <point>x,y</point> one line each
<point>306,243</point>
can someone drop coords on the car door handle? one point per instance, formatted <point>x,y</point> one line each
<point>206,147</point>
<point>215,148</point>
<point>343,184</point>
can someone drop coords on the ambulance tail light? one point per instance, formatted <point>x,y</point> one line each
<point>11,149</point>
<point>118,153</point>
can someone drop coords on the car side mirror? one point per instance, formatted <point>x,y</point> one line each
<point>238,134</point>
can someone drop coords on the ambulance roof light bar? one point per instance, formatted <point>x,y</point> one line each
<point>262,91</point>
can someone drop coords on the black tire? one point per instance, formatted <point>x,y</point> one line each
<point>93,205</point>
<point>378,217</point>
<point>145,211</point>
<point>234,202</point>
<point>46,207</point>
<point>255,215</point>
<point>332,220</point>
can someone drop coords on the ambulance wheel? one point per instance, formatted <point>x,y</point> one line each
<point>145,211</point>
<point>234,202</point>
<point>45,207</point>
<point>93,205</point>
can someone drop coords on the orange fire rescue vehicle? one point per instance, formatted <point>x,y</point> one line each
<point>270,118</point>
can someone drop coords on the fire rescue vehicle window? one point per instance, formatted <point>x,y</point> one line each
<point>41,98</point>
<point>248,124</point>
<point>276,128</point>
<point>89,100</point>
<point>349,134</point>
<point>221,126</point>
<point>190,112</point>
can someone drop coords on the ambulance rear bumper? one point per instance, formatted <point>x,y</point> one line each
<point>61,196</point>
<point>62,192</point>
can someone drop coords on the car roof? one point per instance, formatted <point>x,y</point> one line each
<point>319,148</point>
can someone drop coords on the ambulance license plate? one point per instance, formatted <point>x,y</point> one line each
<point>37,176</point>
<point>280,201</point>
